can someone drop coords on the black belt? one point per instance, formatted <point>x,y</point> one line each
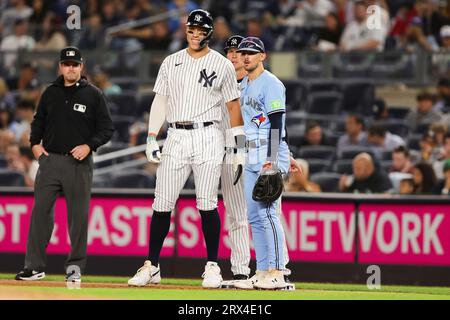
<point>190,126</point>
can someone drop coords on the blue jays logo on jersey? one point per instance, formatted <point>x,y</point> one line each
<point>253,103</point>
<point>259,119</point>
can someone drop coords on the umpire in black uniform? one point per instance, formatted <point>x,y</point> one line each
<point>72,120</point>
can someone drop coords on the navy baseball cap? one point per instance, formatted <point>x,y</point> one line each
<point>232,42</point>
<point>252,44</point>
<point>71,54</point>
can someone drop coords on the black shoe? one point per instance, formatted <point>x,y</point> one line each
<point>240,277</point>
<point>286,279</point>
<point>30,275</point>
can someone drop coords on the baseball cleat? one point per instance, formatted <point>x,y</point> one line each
<point>73,277</point>
<point>147,274</point>
<point>273,279</point>
<point>212,277</point>
<point>30,275</point>
<point>249,283</point>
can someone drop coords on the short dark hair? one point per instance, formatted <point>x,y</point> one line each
<point>25,105</point>
<point>425,95</point>
<point>311,125</point>
<point>447,136</point>
<point>358,119</point>
<point>377,130</point>
<point>402,149</point>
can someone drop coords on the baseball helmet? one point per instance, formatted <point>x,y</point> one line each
<point>252,44</point>
<point>201,18</point>
<point>232,42</point>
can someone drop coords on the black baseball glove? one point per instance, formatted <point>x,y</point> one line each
<point>268,186</point>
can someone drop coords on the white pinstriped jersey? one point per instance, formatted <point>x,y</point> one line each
<point>196,88</point>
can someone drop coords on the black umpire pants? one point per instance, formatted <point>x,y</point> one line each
<point>60,173</point>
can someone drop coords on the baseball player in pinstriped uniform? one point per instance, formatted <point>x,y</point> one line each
<point>190,88</point>
<point>263,108</point>
<point>233,196</point>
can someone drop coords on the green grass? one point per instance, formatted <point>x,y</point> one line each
<point>305,291</point>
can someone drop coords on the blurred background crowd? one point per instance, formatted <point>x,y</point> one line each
<point>346,137</point>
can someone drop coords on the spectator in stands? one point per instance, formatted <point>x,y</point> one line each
<point>24,116</point>
<point>443,187</point>
<point>424,178</point>
<point>12,156</point>
<point>424,114</point>
<point>101,79</point>
<point>315,11</point>
<point>93,34</point>
<point>384,14</point>
<point>109,13</point>
<point>365,178</point>
<point>358,36</point>
<point>355,135</point>
<point>40,11</point>
<point>406,186</point>
<point>299,180</point>
<point>52,39</point>
<point>329,36</point>
<point>26,80</point>
<point>30,165</point>
<point>6,120</point>
<point>20,40</point>
<point>443,101</point>
<point>401,160</point>
<point>179,36</point>
<point>313,135</point>
<point>380,140</point>
<point>438,165</point>
<point>445,38</point>
<point>380,110</point>
<point>161,38</point>
<point>7,99</point>
<point>438,130</point>
<point>17,10</point>
<point>428,151</point>
<point>185,5</point>
<point>221,33</point>
<point>256,28</point>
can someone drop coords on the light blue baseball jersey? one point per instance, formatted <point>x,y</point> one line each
<point>260,98</point>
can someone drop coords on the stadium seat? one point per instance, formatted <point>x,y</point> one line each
<point>413,141</point>
<point>133,179</point>
<point>398,112</point>
<point>108,148</point>
<point>11,178</point>
<point>422,128</point>
<point>145,102</point>
<point>296,92</point>
<point>396,126</point>
<point>343,166</point>
<point>358,96</point>
<point>3,162</point>
<point>125,103</point>
<point>392,65</point>
<point>351,65</point>
<point>321,85</point>
<point>325,103</point>
<point>348,153</point>
<point>328,181</point>
<point>121,128</point>
<point>318,165</point>
<point>311,65</point>
<point>317,152</point>
<point>101,181</point>
<point>126,83</point>
<point>386,156</point>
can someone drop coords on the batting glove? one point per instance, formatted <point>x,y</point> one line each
<point>239,156</point>
<point>152,151</point>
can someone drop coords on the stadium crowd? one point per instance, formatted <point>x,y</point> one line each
<point>376,148</point>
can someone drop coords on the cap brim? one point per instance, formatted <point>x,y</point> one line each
<point>71,60</point>
<point>249,50</point>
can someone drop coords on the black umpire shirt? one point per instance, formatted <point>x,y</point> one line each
<point>70,116</point>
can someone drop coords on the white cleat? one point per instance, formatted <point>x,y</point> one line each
<point>274,279</point>
<point>212,277</point>
<point>147,274</point>
<point>250,283</point>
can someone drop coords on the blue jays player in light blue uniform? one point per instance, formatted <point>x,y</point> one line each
<point>263,109</point>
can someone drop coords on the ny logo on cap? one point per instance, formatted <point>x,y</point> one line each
<point>70,53</point>
<point>198,18</point>
<point>234,41</point>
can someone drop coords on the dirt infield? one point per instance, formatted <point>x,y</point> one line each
<point>63,284</point>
